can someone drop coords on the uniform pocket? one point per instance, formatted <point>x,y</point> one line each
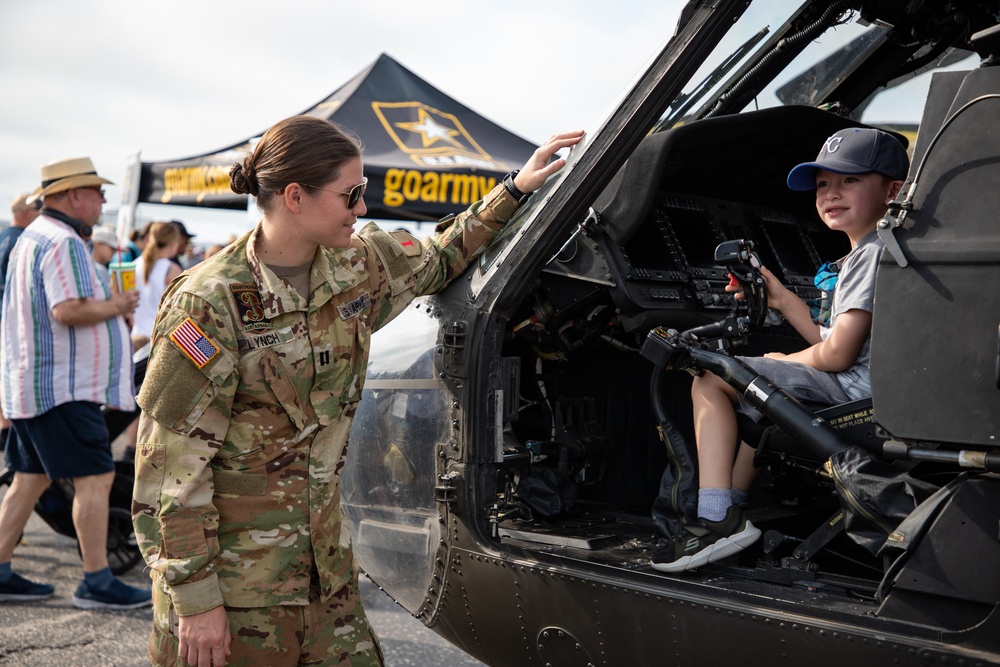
<point>176,393</point>
<point>340,361</point>
<point>358,365</point>
<point>278,380</point>
<point>150,463</point>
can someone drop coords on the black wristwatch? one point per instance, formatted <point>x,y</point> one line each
<point>508,183</point>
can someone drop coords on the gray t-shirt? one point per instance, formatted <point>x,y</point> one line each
<point>856,290</point>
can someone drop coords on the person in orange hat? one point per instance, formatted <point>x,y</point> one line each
<point>66,352</point>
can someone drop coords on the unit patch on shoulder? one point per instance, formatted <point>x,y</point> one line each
<point>192,341</point>
<point>411,246</point>
<point>353,308</point>
<point>249,306</point>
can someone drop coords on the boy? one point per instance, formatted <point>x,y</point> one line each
<point>857,174</point>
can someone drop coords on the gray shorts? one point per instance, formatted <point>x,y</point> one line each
<point>799,381</point>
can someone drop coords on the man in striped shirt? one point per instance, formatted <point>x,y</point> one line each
<point>66,351</point>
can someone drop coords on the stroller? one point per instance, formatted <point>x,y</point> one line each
<point>55,507</point>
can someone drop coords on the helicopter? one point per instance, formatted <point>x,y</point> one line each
<point>524,436</point>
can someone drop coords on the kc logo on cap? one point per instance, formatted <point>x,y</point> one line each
<point>832,144</point>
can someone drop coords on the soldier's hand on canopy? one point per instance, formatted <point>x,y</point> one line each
<point>538,168</point>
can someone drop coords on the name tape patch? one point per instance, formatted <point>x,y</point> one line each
<point>353,308</point>
<point>192,341</point>
<point>257,341</point>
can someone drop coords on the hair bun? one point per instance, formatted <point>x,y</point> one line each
<point>243,178</point>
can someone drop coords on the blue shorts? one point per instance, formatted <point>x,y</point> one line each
<point>70,440</point>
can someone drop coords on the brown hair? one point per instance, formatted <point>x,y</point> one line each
<point>158,236</point>
<point>301,149</point>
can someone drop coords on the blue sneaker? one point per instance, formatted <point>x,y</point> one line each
<point>118,596</point>
<point>19,589</point>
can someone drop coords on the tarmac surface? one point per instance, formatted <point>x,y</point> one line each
<point>53,632</point>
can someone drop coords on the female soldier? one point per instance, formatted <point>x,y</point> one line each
<point>257,365</point>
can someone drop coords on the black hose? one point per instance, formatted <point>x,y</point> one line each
<point>803,35</point>
<point>795,419</point>
<point>915,64</point>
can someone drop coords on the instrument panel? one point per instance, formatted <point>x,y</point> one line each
<point>669,261</point>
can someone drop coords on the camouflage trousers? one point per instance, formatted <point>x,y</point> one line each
<point>335,632</point>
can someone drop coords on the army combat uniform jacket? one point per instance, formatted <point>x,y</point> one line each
<point>248,401</point>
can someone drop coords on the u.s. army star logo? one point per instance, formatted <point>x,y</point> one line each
<point>432,138</point>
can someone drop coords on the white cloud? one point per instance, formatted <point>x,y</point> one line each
<point>109,77</point>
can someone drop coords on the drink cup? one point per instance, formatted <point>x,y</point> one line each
<point>122,276</point>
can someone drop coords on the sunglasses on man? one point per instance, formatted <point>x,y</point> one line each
<point>354,195</point>
<point>96,188</point>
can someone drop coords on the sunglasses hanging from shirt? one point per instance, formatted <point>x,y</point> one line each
<point>825,281</point>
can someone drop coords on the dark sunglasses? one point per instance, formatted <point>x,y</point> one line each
<point>353,196</point>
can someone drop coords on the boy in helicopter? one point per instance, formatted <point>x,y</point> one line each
<point>857,173</point>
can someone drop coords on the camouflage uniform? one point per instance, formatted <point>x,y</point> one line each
<point>247,405</point>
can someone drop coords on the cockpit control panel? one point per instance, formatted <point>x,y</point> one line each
<point>670,260</point>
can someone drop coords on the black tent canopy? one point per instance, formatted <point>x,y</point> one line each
<point>425,154</point>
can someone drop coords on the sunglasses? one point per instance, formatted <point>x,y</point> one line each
<point>353,196</point>
<point>96,188</point>
<point>826,277</point>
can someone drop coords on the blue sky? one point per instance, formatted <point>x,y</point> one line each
<point>107,78</point>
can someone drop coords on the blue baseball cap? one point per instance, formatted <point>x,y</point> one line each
<point>855,150</point>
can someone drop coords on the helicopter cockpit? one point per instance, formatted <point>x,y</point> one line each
<point>582,459</point>
<point>654,264</point>
<point>526,437</point>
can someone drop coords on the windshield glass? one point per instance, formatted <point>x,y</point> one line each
<point>389,479</point>
<point>511,229</point>
<point>813,74</point>
<point>743,43</point>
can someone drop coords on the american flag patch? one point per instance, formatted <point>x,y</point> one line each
<point>193,342</point>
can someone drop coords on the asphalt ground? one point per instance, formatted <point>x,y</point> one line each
<point>54,633</point>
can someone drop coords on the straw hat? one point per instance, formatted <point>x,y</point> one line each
<point>66,174</point>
